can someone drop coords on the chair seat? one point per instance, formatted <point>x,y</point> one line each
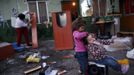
<point>97,69</point>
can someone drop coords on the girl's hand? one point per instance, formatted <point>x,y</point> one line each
<point>87,33</point>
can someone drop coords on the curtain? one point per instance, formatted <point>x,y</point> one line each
<point>99,7</point>
<point>129,6</point>
<point>102,7</point>
<point>95,8</point>
<point>132,6</point>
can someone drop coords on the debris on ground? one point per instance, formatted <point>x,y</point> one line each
<point>54,72</point>
<point>16,65</point>
<point>53,62</point>
<point>130,54</point>
<point>33,58</point>
<point>68,56</point>
<point>61,72</point>
<point>32,69</point>
<point>11,61</point>
<point>44,57</point>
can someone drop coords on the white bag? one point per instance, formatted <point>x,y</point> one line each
<point>130,54</point>
<point>13,21</point>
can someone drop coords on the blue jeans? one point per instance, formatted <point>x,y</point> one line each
<point>82,58</point>
<point>111,62</point>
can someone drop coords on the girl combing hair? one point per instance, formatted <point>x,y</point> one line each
<point>80,48</point>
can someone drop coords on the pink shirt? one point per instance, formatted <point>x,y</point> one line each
<point>79,45</point>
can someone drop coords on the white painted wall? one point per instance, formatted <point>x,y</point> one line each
<point>54,6</point>
<point>7,5</point>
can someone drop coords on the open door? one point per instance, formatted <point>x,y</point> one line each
<point>62,26</point>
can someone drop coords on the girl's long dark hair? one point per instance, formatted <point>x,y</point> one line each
<point>21,16</point>
<point>78,23</point>
<point>85,38</point>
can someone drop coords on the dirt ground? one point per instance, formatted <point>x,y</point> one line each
<point>16,65</point>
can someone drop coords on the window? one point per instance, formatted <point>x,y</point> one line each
<point>93,7</point>
<point>113,7</point>
<point>86,8</point>
<point>40,8</point>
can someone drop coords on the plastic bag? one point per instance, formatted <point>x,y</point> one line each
<point>124,68</point>
<point>120,44</point>
<point>124,65</point>
<point>130,54</point>
<point>13,21</point>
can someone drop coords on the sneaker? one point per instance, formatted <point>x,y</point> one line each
<point>123,61</point>
<point>124,68</point>
<point>80,72</point>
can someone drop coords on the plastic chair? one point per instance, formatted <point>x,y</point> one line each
<point>97,69</point>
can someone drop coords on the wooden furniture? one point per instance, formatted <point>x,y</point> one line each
<point>6,50</point>
<point>127,23</point>
<point>62,35</point>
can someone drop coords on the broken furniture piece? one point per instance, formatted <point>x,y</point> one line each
<point>62,30</point>
<point>6,50</point>
<point>32,70</point>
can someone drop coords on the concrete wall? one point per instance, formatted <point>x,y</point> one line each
<point>54,6</point>
<point>6,7</point>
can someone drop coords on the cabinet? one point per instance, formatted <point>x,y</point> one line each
<point>104,29</point>
<point>62,28</point>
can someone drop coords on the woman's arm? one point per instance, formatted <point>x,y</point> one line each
<point>106,42</point>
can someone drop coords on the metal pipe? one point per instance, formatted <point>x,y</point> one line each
<point>99,6</point>
<point>38,14</point>
<point>47,11</point>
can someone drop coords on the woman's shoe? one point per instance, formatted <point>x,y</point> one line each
<point>124,68</point>
<point>80,72</point>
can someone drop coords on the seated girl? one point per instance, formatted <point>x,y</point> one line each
<point>98,54</point>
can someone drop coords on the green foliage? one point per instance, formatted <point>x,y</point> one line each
<point>89,26</point>
<point>44,32</point>
<point>8,33</point>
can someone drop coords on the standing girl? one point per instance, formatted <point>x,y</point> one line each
<point>80,49</point>
<point>21,28</point>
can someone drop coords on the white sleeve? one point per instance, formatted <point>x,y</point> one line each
<point>20,23</point>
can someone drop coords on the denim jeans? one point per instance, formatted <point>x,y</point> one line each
<point>82,58</point>
<point>111,62</point>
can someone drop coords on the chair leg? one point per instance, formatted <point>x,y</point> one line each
<point>107,70</point>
